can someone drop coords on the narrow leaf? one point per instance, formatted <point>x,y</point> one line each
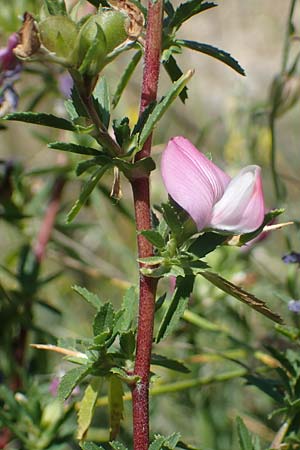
<point>115,405</point>
<point>86,191</point>
<point>70,380</point>
<point>162,106</point>
<point>214,52</point>
<point>157,443</point>
<point>87,407</point>
<point>174,72</point>
<point>172,364</point>
<point>101,99</point>
<point>245,440</point>
<point>75,148</point>
<point>129,306</point>
<point>206,243</point>
<point>104,319</point>
<point>126,77</point>
<point>188,9</point>
<point>48,120</point>
<point>91,298</point>
<point>184,287</point>
<point>243,296</point>
<point>154,237</point>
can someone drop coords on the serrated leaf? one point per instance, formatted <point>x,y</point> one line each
<point>184,287</point>
<point>171,441</point>
<point>70,380</point>
<point>174,72</point>
<point>115,405</point>
<point>172,364</point>
<point>101,99</point>
<point>152,260</point>
<point>172,218</point>
<point>86,191</point>
<point>244,296</point>
<point>154,237</point>
<point>129,307</point>
<point>75,148</point>
<point>90,446</point>
<point>87,407</point>
<point>162,106</point>
<point>214,52</point>
<point>244,436</point>
<point>104,319</point>
<point>188,9</point>
<point>122,131</point>
<point>56,7</point>
<point>48,120</point>
<point>127,343</point>
<point>91,298</point>
<point>126,75</point>
<point>157,443</point>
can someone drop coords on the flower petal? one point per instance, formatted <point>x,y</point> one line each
<point>241,209</point>
<point>192,180</point>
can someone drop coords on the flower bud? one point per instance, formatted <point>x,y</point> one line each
<point>58,34</point>
<point>285,93</point>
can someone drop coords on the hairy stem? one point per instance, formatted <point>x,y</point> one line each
<point>141,196</point>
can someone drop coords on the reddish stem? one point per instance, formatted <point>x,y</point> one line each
<point>141,196</point>
<point>49,219</point>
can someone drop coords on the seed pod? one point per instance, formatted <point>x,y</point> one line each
<point>58,34</point>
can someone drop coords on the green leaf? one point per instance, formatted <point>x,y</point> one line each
<point>154,237</point>
<point>75,148</point>
<point>172,364</point>
<point>244,436</point>
<point>157,443</point>
<point>87,407</point>
<point>70,380</point>
<point>127,343</point>
<point>206,243</point>
<point>104,319</point>
<point>48,120</point>
<point>130,380</point>
<point>86,191</point>
<point>172,218</point>
<point>214,52</point>
<point>91,298</point>
<point>56,7</point>
<point>174,72</point>
<point>139,169</point>
<point>171,441</point>
<point>152,260</point>
<point>184,287</point>
<point>162,106</point>
<point>243,296</point>
<point>115,405</point>
<point>188,9</point>
<point>101,101</point>
<point>90,446</point>
<point>118,446</point>
<point>269,386</point>
<point>129,307</point>
<point>122,131</point>
<point>125,77</point>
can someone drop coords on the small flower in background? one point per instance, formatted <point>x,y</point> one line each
<point>208,194</point>
<point>53,387</point>
<point>291,258</point>
<point>65,84</point>
<point>294,306</point>
<point>10,68</point>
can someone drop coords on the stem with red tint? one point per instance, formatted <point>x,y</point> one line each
<point>141,196</point>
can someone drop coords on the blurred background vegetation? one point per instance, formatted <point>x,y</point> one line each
<point>226,115</point>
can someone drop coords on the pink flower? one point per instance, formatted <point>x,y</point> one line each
<point>208,194</point>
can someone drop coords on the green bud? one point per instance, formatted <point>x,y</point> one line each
<point>99,35</point>
<point>285,93</point>
<point>58,34</point>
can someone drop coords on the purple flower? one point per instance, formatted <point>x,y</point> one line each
<point>65,84</point>
<point>294,306</point>
<point>291,258</point>
<point>10,68</point>
<point>208,194</point>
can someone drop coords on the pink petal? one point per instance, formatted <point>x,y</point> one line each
<point>241,209</point>
<point>192,180</point>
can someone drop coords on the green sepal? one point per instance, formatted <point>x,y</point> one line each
<point>244,238</point>
<point>56,7</point>
<point>58,34</point>
<point>184,287</point>
<point>48,120</point>
<point>86,191</point>
<point>93,58</point>
<point>214,52</point>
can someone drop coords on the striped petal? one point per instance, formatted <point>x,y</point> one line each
<point>241,209</point>
<point>192,180</point>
